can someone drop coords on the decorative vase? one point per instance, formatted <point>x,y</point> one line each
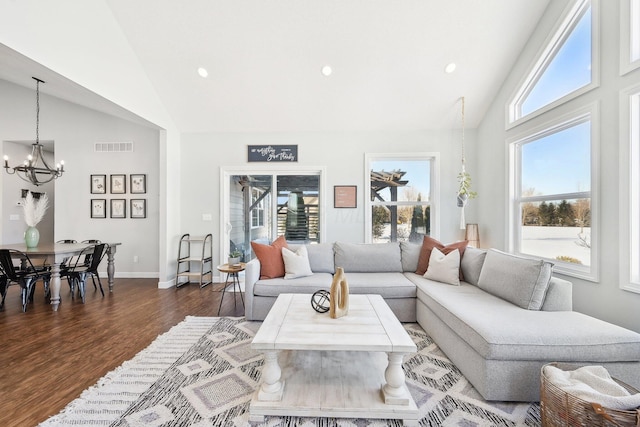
<point>233,261</point>
<point>31,237</point>
<point>339,295</point>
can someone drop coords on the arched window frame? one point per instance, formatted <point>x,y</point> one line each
<point>545,56</point>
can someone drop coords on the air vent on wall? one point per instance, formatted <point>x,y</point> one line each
<point>113,147</point>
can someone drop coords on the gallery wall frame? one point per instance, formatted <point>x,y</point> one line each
<point>138,208</point>
<point>118,208</point>
<point>118,184</point>
<point>345,196</point>
<point>98,184</point>
<point>138,183</point>
<point>98,208</point>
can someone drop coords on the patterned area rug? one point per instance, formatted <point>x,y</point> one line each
<point>203,373</point>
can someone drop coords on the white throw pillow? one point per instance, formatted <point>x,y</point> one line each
<point>444,268</point>
<point>296,264</point>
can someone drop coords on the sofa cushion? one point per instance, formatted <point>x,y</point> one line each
<point>428,244</point>
<point>387,284</point>
<point>296,264</point>
<point>270,256</point>
<point>368,257</point>
<point>321,258</point>
<point>521,281</point>
<point>410,253</point>
<point>471,264</point>
<point>498,329</point>
<point>300,285</point>
<point>444,268</point>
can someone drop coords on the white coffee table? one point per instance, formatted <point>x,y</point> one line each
<point>350,367</point>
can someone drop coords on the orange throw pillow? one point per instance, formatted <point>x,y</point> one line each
<point>427,246</point>
<point>270,257</point>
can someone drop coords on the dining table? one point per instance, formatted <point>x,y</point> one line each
<point>54,254</point>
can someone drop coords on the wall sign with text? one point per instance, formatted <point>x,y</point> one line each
<point>272,153</point>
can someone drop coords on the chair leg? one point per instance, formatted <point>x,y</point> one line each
<point>82,281</point>
<point>4,285</point>
<point>99,283</point>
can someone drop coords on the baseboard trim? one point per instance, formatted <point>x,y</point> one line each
<point>168,284</point>
<point>133,274</point>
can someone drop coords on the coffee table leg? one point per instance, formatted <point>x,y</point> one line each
<point>395,391</point>
<point>271,388</point>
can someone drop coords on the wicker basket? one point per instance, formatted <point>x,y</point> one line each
<point>559,408</point>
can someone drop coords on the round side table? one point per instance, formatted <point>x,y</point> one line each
<point>232,278</point>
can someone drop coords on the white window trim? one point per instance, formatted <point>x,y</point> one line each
<point>629,185</point>
<point>434,199</point>
<point>552,44</point>
<point>258,208</point>
<point>591,112</point>
<point>629,36</point>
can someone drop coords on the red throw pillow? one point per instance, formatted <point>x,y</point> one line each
<point>270,257</point>
<point>427,246</point>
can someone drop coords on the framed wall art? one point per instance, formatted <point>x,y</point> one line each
<point>98,184</point>
<point>345,196</point>
<point>118,208</point>
<point>118,184</point>
<point>137,183</point>
<point>98,208</point>
<point>138,208</point>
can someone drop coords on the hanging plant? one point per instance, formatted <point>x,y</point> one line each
<point>464,189</point>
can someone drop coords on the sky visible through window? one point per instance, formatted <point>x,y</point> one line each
<point>561,163</point>
<point>418,173</point>
<point>569,70</point>
<point>558,163</point>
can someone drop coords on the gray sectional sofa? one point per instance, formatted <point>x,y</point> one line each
<point>489,327</point>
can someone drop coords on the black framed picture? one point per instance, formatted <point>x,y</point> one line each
<point>138,208</point>
<point>137,183</point>
<point>345,196</point>
<point>98,208</point>
<point>118,184</point>
<point>98,184</point>
<point>118,208</point>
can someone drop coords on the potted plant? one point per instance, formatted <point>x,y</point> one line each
<point>464,190</point>
<point>234,257</point>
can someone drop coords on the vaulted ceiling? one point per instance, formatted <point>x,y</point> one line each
<point>264,61</point>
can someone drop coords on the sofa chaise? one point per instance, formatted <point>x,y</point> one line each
<point>499,326</point>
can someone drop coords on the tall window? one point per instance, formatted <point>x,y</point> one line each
<point>402,198</point>
<point>552,210</point>
<point>630,191</point>
<point>562,69</point>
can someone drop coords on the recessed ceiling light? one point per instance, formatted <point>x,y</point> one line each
<point>326,71</point>
<point>203,72</point>
<point>450,68</point>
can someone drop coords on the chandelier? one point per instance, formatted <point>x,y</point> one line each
<point>35,168</point>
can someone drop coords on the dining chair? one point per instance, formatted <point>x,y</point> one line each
<point>77,274</point>
<point>4,284</point>
<point>26,277</point>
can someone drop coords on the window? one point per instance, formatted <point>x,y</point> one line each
<point>552,210</point>
<point>563,69</point>
<point>403,193</point>
<point>630,191</point>
<point>257,213</point>
<point>629,35</point>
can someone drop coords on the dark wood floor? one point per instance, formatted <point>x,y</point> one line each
<point>48,358</point>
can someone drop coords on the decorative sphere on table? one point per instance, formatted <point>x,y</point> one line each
<point>320,301</point>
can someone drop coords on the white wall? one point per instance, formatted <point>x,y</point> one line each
<point>74,130</point>
<point>604,299</point>
<point>341,154</point>
<point>85,44</point>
